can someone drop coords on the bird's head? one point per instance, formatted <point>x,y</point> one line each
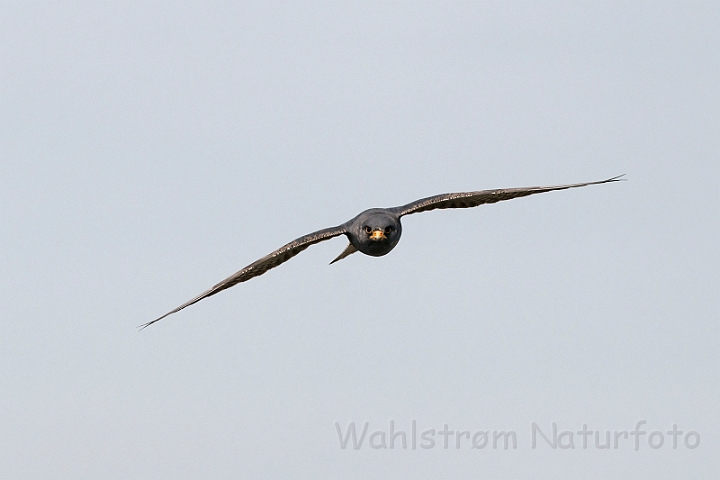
<point>376,232</point>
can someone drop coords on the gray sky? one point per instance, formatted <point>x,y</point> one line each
<point>150,150</point>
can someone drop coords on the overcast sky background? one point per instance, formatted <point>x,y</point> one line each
<point>150,149</point>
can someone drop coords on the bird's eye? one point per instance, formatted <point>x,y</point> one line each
<point>388,229</point>
<point>368,229</point>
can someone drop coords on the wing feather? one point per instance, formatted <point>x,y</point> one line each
<point>473,199</point>
<point>271,260</point>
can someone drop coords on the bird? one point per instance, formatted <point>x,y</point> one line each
<point>374,232</point>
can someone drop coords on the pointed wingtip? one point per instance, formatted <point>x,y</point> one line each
<point>145,325</point>
<point>617,178</point>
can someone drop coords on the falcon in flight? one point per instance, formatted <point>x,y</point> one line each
<point>373,232</point>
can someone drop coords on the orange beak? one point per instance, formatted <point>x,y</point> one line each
<point>377,235</point>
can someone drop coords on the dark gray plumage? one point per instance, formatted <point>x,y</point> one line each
<point>373,232</point>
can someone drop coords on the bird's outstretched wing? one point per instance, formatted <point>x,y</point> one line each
<point>261,266</point>
<point>473,199</point>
